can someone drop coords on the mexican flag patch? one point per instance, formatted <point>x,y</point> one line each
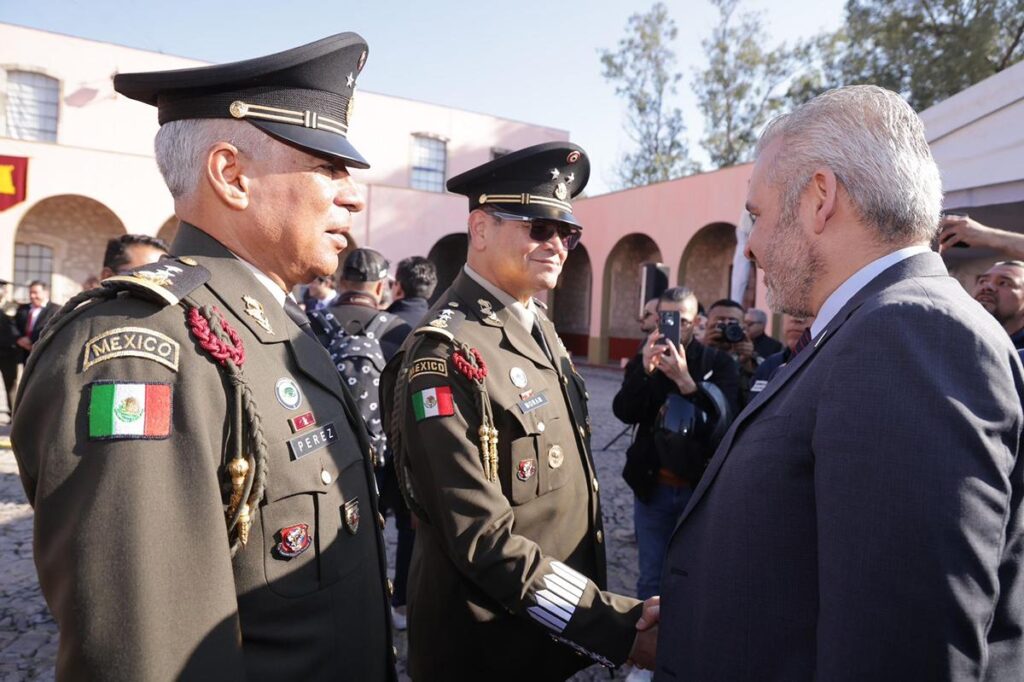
<point>433,402</point>
<point>122,410</point>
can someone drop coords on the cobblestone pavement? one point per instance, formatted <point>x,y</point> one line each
<point>28,635</point>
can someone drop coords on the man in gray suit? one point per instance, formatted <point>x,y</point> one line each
<point>862,518</point>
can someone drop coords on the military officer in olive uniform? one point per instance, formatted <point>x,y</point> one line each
<point>204,504</point>
<point>492,443</point>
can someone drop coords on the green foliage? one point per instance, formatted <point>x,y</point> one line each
<point>641,67</point>
<point>739,90</point>
<point>928,50</point>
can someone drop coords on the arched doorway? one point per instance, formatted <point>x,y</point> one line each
<point>621,301</point>
<point>61,240</point>
<point>169,230</point>
<point>569,303</point>
<point>448,254</point>
<point>706,263</point>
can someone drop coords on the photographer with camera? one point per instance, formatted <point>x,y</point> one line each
<point>725,332</point>
<point>662,468</point>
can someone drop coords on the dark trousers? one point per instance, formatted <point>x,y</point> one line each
<point>391,501</point>
<point>9,371</point>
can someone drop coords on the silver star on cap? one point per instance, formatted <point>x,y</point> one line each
<point>351,80</point>
<point>570,177</point>
<point>554,173</point>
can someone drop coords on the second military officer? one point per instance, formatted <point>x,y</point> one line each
<point>204,503</point>
<point>492,444</point>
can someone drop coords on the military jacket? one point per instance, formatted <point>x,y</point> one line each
<point>507,575</point>
<point>122,434</point>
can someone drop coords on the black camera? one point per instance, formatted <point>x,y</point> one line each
<point>731,331</point>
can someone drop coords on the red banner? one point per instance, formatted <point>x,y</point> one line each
<point>13,181</point>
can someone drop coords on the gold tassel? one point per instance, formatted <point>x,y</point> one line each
<point>238,470</point>
<point>483,432</point>
<point>243,525</point>
<point>494,454</point>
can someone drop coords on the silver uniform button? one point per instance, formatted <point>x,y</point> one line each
<point>583,431</point>
<point>600,537</point>
<point>597,486</point>
<point>540,427</point>
<point>326,477</point>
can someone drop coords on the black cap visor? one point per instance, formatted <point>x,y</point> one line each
<point>316,142</point>
<point>531,212</point>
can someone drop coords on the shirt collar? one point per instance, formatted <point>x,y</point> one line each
<point>523,313</point>
<point>857,281</point>
<point>276,291</point>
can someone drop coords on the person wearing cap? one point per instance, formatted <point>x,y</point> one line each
<point>491,437</point>
<point>204,503</point>
<point>364,279</point>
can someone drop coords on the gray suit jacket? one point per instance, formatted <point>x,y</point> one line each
<point>862,519</point>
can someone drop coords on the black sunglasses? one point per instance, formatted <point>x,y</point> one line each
<point>543,230</point>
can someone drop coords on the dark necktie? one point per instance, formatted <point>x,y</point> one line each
<point>292,309</point>
<point>538,336</point>
<point>805,339</point>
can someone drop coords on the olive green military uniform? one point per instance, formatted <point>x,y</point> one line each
<point>506,574</point>
<point>131,542</point>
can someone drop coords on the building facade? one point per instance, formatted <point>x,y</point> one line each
<point>77,167</point>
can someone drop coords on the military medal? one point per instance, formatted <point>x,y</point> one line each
<point>254,309</point>
<point>555,456</point>
<point>527,468</point>
<point>352,516</point>
<point>287,392</point>
<point>294,540</point>
<point>518,377</point>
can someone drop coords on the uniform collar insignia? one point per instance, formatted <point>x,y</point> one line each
<point>254,309</point>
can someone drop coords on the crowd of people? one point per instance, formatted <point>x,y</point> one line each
<point>211,461</point>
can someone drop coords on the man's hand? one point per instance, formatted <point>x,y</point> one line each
<point>959,229</point>
<point>652,349</point>
<point>645,648</point>
<point>744,351</point>
<point>651,614</point>
<point>673,365</point>
<point>24,342</point>
<point>714,337</point>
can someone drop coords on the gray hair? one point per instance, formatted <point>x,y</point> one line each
<point>181,148</point>
<point>758,315</point>
<point>875,144</point>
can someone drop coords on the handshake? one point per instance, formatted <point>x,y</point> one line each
<point>646,643</point>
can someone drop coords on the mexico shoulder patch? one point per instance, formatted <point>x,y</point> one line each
<point>433,402</point>
<point>122,410</point>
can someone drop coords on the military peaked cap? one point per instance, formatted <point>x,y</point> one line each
<point>536,182</point>
<point>302,96</point>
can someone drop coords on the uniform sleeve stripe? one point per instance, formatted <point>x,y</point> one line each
<point>558,600</point>
<point>553,608</point>
<point>545,618</point>
<point>563,589</point>
<point>570,575</point>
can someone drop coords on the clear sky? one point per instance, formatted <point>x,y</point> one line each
<point>529,60</point>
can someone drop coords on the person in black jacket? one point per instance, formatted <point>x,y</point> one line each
<point>792,330</point>
<point>415,279</point>
<point>10,354</point>
<point>662,482</point>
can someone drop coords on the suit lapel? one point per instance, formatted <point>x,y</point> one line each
<point>921,265</point>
